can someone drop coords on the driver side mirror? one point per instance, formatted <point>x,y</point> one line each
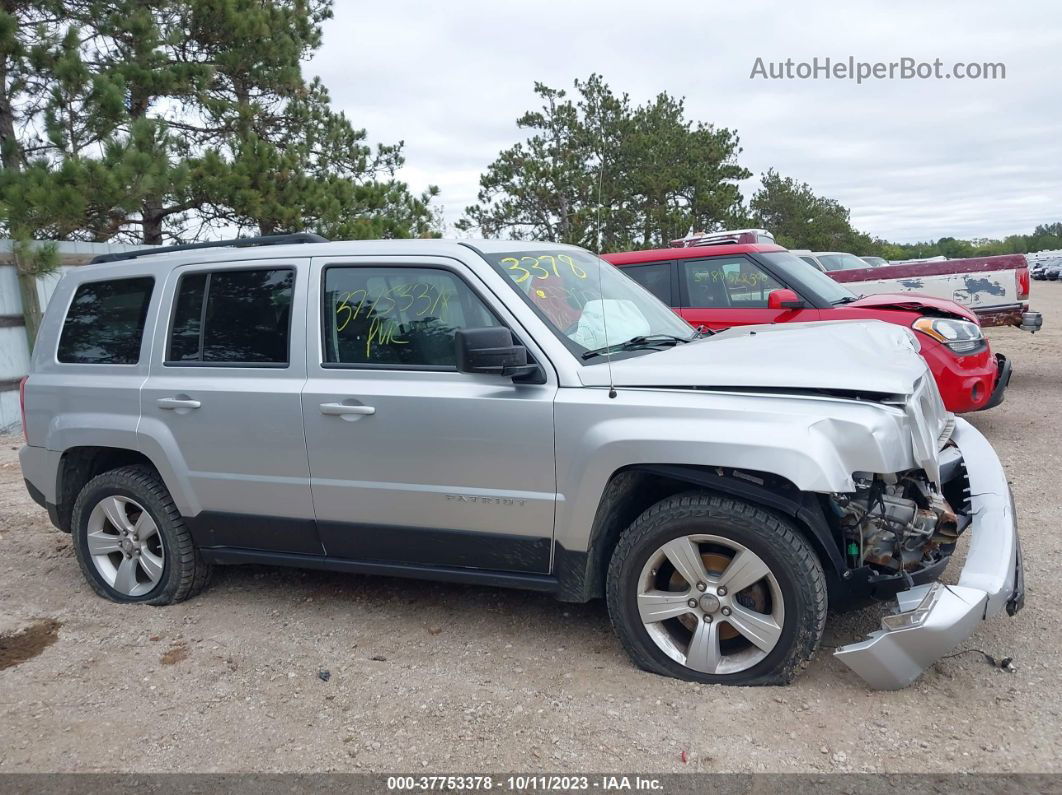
<point>784,299</point>
<point>492,351</point>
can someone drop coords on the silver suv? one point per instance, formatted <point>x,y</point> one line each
<point>515,414</point>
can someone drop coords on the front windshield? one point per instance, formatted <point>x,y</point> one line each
<point>841,262</point>
<point>585,301</point>
<point>800,270</point>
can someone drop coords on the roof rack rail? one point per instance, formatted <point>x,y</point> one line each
<point>723,238</point>
<point>239,242</point>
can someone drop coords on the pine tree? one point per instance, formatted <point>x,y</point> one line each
<point>799,218</point>
<point>27,34</point>
<point>604,174</point>
<point>169,118</point>
<point>281,158</point>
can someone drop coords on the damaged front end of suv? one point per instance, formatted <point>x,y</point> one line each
<point>900,532</point>
<point>897,524</point>
<point>863,454</point>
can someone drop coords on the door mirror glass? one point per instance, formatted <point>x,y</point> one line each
<point>784,299</point>
<point>491,351</point>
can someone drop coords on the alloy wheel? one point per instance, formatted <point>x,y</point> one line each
<point>125,545</point>
<point>710,603</point>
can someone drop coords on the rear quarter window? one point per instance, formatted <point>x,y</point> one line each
<point>105,322</point>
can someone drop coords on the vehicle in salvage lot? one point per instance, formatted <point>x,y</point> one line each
<point>1046,269</point>
<point>830,261</point>
<point>516,414</point>
<point>875,262</point>
<point>995,288</point>
<point>725,285</point>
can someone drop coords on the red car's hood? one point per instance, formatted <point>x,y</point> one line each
<point>913,302</point>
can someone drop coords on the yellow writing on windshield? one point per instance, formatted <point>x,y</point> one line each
<point>542,267</point>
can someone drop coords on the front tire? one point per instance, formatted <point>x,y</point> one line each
<point>131,542</point>
<point>715,590</point>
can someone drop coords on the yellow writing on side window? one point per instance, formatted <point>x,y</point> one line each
<point>344,312</point>
<point>731,279</point>
<point>383,331</point>
<point>417,298</point>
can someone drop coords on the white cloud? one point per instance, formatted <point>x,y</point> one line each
<point>912,159</point>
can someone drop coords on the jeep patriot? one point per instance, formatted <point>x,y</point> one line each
<point>515,414</point>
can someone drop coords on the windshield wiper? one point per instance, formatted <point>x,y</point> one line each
<point>846,300</point>
<point>643,341</point>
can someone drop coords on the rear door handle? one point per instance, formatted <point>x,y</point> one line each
<point>344,409</point>
<point>177,403</point>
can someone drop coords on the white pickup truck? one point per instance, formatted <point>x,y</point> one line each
<point>995,288</point>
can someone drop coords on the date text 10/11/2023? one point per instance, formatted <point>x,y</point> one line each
<point>525,783</point>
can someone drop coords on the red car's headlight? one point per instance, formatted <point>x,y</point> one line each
<point>961,336</point>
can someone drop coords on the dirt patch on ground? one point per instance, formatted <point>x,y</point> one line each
<point>17,647</point>
<point>432,677</point>
<point>174,654</point>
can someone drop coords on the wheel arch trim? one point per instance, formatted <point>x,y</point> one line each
<point>65,500</point>
<point>581,573</point>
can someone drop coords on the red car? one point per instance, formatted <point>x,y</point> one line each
<point>718,286</point>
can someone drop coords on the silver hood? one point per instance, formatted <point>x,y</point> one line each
<point>866,356</point>
<point>848,357</point>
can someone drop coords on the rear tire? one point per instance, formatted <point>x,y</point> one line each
<point>762,630</point>
<point>131,542</point>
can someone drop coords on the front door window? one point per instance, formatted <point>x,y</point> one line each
<point>728,282</point>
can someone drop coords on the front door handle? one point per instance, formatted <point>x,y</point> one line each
<point>345,409</point>
<point>177,403</point>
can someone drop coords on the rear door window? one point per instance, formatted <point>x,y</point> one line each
<point>105,322</point>
<point>654,277</point>
<point>236,317</point>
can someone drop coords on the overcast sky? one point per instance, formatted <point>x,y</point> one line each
<point>912,159</point>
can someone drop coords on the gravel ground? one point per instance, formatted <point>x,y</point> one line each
<point>428,678</point>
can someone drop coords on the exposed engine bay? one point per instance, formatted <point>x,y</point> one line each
<point>897,523</point>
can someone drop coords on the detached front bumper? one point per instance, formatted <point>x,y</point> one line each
<point>930,620</point>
